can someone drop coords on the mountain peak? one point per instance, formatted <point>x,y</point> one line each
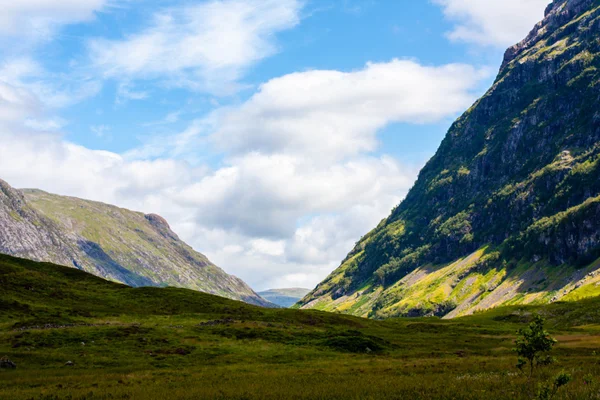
<point>158,221</point>
<point>508,209</point>
<point>558,14</point>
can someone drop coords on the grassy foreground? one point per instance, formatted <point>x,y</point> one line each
<point>152,343</point>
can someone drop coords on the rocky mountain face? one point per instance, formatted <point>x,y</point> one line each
<point>284,297</point>
<point>110,242</point>
<point>508,209</point>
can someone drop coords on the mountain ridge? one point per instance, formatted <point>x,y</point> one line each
<point>507,209</point>
<point>108,241</point>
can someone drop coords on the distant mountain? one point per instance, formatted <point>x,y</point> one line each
<point>114,243</point>
<point>508,209</point>
<point>284,297</point>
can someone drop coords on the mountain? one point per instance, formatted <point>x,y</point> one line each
<point>508,209</point>
<point>120,245</point>
<point>284,297</point>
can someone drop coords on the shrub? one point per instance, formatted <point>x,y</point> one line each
<point>532,346</point>
<point>547,391</point>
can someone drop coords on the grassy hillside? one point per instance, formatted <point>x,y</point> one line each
<point>111,242</point>
<point>176,343</point>
<point>508,209</point>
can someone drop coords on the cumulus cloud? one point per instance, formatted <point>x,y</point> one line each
<point>204,47</point>
<point>499,23</point>
<point>331,113</point>
<point>266,195</point>
<point>339,113</point>
<point>298,182</point>
<point>268,220</point>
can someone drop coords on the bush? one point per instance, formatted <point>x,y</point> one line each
<point>353,344</point>
<point>548,391</point>
<point>532,346</point>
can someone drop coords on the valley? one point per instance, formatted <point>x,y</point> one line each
<point>148,343</point>
<point>483,282</point>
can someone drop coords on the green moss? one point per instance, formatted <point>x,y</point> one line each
<point>15,216</point>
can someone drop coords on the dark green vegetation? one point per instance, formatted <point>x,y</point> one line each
<point>153,343</point>
<point>111,242</point>
<point>284,297</point>
<point>508,209</point>
<point>533,345</point>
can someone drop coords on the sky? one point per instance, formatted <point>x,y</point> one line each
<point>271,134</point>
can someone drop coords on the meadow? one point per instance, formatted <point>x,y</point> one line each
<point>76,336</point>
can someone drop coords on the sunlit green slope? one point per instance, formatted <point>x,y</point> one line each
<point>508,209</point>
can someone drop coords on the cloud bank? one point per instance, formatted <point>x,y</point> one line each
<point>499,23</point>
<point>299,182</point>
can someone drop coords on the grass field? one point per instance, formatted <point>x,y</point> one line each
<point>152,343</point>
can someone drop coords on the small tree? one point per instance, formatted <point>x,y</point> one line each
<point>548,391</point>
<point>532,346</point>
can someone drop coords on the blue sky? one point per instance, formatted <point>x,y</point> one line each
<point>271,134</point>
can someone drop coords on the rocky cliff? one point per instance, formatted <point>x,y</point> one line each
<point>107,241</point>
<point>508,209</point>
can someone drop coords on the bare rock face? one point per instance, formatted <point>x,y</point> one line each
<point>508,209</point>
<point>25,233</point>
<point>557,14</point>
<point>110,242</point>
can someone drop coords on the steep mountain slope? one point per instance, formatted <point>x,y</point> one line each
<point>284,297</point>
<point>107,241</point>
<point>508,209</point>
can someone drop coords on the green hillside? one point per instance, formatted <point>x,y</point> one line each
<point>111,242</point>
<point>149,343</point>
<point>508,209</point>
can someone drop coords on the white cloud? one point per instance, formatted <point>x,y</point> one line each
<point>204,47</point>
<point>46,125</point>
<point>19,68</point>
<point>298,183</point>
<point>126,92</point>
<point>338,114</point>
<point>62,91</point>
<point>17,103</point>
<point>49,90</point>
<point>265,196</point>
<point>262,217</point>
<point>28,92</point>
<point>268,247</point>
<point>297,186</point>
<point>100,130</point>
<point>499,23</point>
<point>39,18</point>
